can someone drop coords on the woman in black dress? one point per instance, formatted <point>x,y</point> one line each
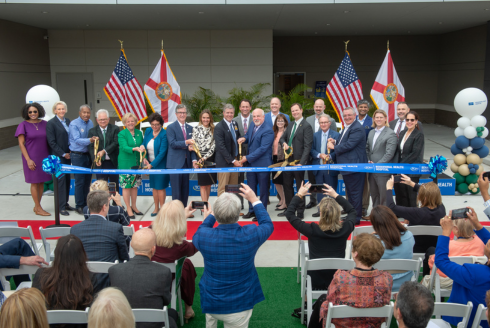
<point>280,125</point>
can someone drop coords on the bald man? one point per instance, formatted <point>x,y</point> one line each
<point>275,105</point>
<point>145,284</point>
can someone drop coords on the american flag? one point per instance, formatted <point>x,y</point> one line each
<point>124,90</point>
<point>345,89</point>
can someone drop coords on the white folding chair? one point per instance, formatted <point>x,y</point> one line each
<point>4,240</point>
<point>481,315</point>
<point>299,257</point>
<point>345,311</point>
<point>452,310</point>
<point>144,125</point>
<point>152,315</point>
<point>23,269</point>
<point>100,267</point>
<point>357,231</point>
<point>129,231</point>
<point>424,231</point>
<point>21,233</point>
<point>176,268</point>
<point>118,123</point>
<point>314,265</point>
<point>51,233</point>
<point>435,282</point>
<point>399,266</point>
<point>304,253</point>
<point>67,317</point>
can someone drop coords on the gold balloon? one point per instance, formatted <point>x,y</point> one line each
<point>460,159</point>
<point>474,189</point>
<point>480,170</point>
<point>473,159</point>
<point>454,168</point>
<point>464,170</point>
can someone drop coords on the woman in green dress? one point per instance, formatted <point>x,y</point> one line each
<point>130,148</point>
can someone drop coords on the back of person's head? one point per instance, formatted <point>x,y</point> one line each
<point>368,248</point>
<point>170,225</point>
<point>387,226</point>
<point>330,212</point>
<point>463,228</point>
<point>429,195</point>
<point>25,308</point>
<point>99,185</point>
<point>110,309</point>
<point>66,285</point>
<point>227,208</point>
<point>143,242</point>
<point>96,200</point>
<point>415,305</point>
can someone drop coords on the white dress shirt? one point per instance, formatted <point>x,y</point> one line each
<point>104,134</point>
<point>377,133</point>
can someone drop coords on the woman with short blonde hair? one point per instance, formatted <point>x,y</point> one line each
<point>25,308</point>
<point>111,309</point>
<point>55,105</point>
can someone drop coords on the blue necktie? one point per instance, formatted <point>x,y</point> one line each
<point>232,130</point>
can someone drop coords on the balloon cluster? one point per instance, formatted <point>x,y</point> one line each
<point>469,147</point>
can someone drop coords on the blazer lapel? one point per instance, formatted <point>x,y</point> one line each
<point>381,136</point>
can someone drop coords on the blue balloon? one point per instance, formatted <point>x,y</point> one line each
<point>482,152</point>
<point>470,166</point>
<point>462,142</point>
<point>455,150</point>
<point>477,142</point>
<point>476,166</point>
<point>472,171</point>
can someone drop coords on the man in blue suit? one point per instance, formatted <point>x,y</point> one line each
<point>319,153</point>
<point>259,140</point>
<point>367,124</point>
<point>351,148</point>
<point>270,117</point>
<point>179,136</point>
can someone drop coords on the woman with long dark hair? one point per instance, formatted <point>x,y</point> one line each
<point>280,125</point>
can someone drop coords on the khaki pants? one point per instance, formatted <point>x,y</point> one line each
<point>232,320</point>
<point>226,179</point>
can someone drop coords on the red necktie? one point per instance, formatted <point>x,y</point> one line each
<point>399,128</point>
<point>183,131</point>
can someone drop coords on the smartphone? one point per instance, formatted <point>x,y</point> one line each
<point>318,188</point>
<point>397,178</point>
<point>460,213</point>
<point>199,205</point>
<point>486,175</point>
<point>234,189</point>
<point>112,188</point>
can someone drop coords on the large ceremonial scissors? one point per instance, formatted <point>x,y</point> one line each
<point>285,163</point>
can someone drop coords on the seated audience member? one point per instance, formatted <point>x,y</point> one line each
<point>361,287</point>
<point>15,253</point>
<point>414,306</point>
<point>484,184</point>
<point>430,211</point>
<point>111,309</point>
<point>24,309</point>
<point>396,239</point>
<point>102,240</point>
<point>146,285</point>
<point>230,285</point>
<point>328,237</point>
<point>466,244</point>
<point>170,227</point>
<point>116,213</point>
<point>67,284</point>
<point>470,281</point>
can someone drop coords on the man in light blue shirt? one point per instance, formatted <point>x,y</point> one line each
<point>79,143</point>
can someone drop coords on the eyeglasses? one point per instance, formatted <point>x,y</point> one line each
<point>157,125</point>
<point>280,121</point>
<point>410,119</point>
<point>182,113</point>
<point>324,122</point>
<point>103,119</point>
<point>35,112</point>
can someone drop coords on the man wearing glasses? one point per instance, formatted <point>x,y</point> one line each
<point>180,154</point>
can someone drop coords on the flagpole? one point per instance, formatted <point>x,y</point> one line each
<point>162,45</point>
<point>121,44</point>
<point>388,45</point>
<point>346,42</point>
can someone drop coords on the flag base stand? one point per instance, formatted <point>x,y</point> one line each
<point>57,223</point>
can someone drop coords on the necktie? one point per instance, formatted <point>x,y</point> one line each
<point>232,130</point>
<point>324,143</point>
<point>399,128</point>
<point>292,135</point>
<point>103,134</point>
<point>183,131</point>
<point>253,132</point>
<point>245,127</point>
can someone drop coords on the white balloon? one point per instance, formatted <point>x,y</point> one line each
<point>45,96</point>
<point>478,121</point>
<point>458,132</point>
<point>484,133</point>
<point>468,153</point>
<point>470,149</point>
<point>470,132</point>
<point>464,150</point>
<point>470,102</point>
<point>464,122</point>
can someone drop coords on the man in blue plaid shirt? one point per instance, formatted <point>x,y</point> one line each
<point>230,285</point>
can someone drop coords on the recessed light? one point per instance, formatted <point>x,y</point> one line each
<point>408,32</point>
<point>346,11</point>
<point>328,24</point>
<point>487,9</point>
<point>87,25</point>
<point>45,12</point>
<point>201,12</point>
<point>316,32</point>
<point>440,23</point>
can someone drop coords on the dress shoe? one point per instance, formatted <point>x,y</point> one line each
<point>365,218</point>
<point>249,215</point>
<point>316,215</point>
<point>131,217</point>
<point>191,216</point>
<point>137,213</point>
<point>364,212</point>
<point>255,220</point>
<point>69,208</point>
<point>282,214</point>
<point>64,212</point>
<point>280,209</point>
<point>278,205</point>
<point>153,214</point>
<point>42,212</point>
<point>268,202</point>
<point>311,205</point>
<point>79,210</point>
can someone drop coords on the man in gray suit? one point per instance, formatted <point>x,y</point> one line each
<point>244,120</point>
<point>398,125</point>
<point>145,284</point>
<point>380,148</point>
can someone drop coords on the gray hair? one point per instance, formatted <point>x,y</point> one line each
<point>415,303</point>
<point>59,103</point>
<point>227,208</point>
<point>362,102</point>
<point>259,110</point>
<point>84,105</point>
<point>179,106</point>
<point>228,106</point>
<point>96,200</point>
<point>102,111</point>
<point>325,115</point>
<point>349,108</point>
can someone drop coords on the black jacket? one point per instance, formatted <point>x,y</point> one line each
<point>111,142</point>
<point>57,137</point>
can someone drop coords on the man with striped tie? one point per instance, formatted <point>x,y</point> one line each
<point>398,125</point>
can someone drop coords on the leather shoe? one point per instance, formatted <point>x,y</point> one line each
<point>316,215</point>
<point>137,213</point>
<point>311,205</point>
<point>191,217</point>
<point>254,220</point>
<point>280,209</point>
<point>364,212</point>
<point>249,215</point>
<point>131,217</point>
<point>242,214</point>
<point>64,212</point>
<point>69,208</point>
<point>79,210</point>
<point>282,214</point>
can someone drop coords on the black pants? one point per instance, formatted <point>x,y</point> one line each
<point>64,186</point>
<point>312,180</point>
<point>108,165</point>
<point>288,183</point>
<point>428,253</point>
<point>404,194</point>
<point>315,314</point>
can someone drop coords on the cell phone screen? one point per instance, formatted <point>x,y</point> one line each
<point>112,188</point>
<point>234,189</point>
<point>318,188</point>
<point>397,178</point>
<point>199,205</point>
<point>460,213</point>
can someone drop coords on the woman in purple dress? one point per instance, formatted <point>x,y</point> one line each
<point>34,146</point>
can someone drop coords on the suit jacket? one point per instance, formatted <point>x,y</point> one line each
<point>393,124</point>
<point>57,137</point>
<point>250,125</point>
<point>127,157</point>
<point>317,147</point>
<point>351,148</point>
<point>384,149</point>
<point>268,118</point>
<point>367,124</point>
<point>178,152</point>
<point>160,146</point>
<point>225,145</point>
<point>260,145</point>
<point>413,149</point>
<point>302,141</point>
<point>111,142</point>
<point>133,278</point>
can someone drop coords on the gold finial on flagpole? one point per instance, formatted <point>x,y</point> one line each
<point>162,44</point>
<point>388,45</point>
<point>121,43</point>
<point>346,42</point>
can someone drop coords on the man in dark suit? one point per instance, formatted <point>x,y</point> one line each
<point>102,239</point>
<point>259,139</point>
<point>146,284</point>
<point>226,134</point>
<point>108,146</point>
<point>367,124</point>
<point>299,136</point>
<point>180,156</point>
<point>319,153</point>
<point>351,148</point>
<point>398,125</point>
<point>57,130</point>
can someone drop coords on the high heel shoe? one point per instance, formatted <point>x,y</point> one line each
<point>187,317</point>
<point>137,213</point>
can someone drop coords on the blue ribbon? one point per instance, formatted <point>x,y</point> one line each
<point>437,165</point>
<point>52,165</point>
